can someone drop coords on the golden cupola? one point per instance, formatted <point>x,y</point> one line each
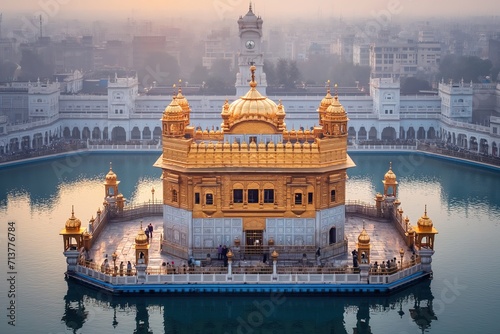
<point>111,179</point>
<point>364,246</point>
<point>72,233</point>
<point>325,103</point>
<point>173,120</point>
<point>390,183</point>
<point>425,232</point>
<point>73,223</point>
<point>335,119</point>
<point>363,237</point>
<point>184,104</point>
<point>253,113</point>
<point>141,238</point>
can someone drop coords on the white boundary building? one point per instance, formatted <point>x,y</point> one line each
<point>34,114</point>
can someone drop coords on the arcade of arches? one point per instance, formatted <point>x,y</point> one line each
<point>389,133</point>
<point>118,134</point>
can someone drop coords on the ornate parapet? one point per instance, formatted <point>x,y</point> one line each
<point>282,155</point>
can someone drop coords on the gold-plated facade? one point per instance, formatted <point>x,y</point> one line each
<point>253,168</point>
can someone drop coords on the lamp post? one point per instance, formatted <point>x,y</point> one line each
<point>114,256</point>
<point>401,254</point>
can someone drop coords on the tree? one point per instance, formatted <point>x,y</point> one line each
<point>33,67</point>
<point>412,86</point>
<point>468,68</point>
<point>7,71</point>
<point>270,71</point>
<point>160,67</point>
<point>198,75</point>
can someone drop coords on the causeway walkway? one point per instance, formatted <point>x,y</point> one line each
<point>120,237</point>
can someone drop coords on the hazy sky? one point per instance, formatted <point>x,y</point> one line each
<point>230,9</point>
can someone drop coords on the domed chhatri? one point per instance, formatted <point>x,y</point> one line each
<point>425,222</point>
<point>363,237</point>
<point>141,238</point>
<point>111,179</point>
<point>390,177</point>
<point>73,223</point>
<point>390,184</point>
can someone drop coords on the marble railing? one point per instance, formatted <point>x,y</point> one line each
<point>347,277</point>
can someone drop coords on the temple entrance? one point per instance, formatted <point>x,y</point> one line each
<point>253,241</point>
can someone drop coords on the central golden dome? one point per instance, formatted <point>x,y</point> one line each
<point>255,108</point>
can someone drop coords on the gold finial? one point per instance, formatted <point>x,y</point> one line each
<point>336,90</point>
<point>72,211</point>
<point>141,225</point>
<point>425,209</point>
<point>390,165</point>
<point>252,69</point>
<point>110,165</point>
<point>250,7</point>
<point>328,86</point>
<point>363,224</point>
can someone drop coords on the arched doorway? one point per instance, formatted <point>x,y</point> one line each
<point>431,133</point>
<point>75,134</point>
<point>462,140</point>
<point>146,133</point>
<point>421,133</point>
<point>473,146</point>
<point>388,133</point>
<point>410,134</point>
<point>66,133</point>
<point>332,236</point>
<point>86,133</point>
<point>494,149</point>
<point>483,146</point>
<point>96,133</point>
<point>372,135</point>
<point>105,133</point>
<point>157,133</point>
<point>118,135</point>
<point>362,133</point>
<point>135,134</point>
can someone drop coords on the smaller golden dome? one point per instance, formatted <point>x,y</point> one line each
<point>363,237</point>
<point>141,238</point>
<point>111,176</point>
<point>335,107</point>
<point>173,110</point>
<point>327,100</point>
<point>274,254</point>
<point>390,177</point>
<point>425,221</point>
<point>73,223</point>
<point>182,101</point>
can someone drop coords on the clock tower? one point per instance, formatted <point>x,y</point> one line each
<point>250,53</point>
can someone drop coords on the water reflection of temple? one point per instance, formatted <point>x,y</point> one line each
<point>228,313</point>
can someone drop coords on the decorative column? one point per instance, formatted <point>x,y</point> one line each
<point>229,265</point>
<point>425,255</point>
<point>274,256</point>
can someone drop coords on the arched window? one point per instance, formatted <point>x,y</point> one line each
<point>332,195</point>
<point>298,198</point>
<point>174,195</point>
<point>209,199</point>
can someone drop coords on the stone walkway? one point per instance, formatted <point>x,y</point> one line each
<point>120,237</point>
<point>384,239</point>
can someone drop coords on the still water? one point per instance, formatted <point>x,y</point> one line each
<point>462,201</point>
